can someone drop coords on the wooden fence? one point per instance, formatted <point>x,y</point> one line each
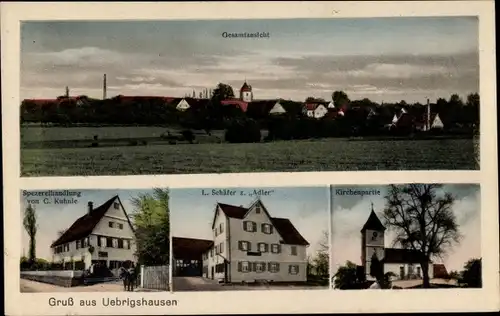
<point>155,277</point>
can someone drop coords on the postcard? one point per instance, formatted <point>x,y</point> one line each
<point>235,158</point>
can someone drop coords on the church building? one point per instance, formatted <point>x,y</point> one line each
<point>403,263</point>
<point>246,94</point>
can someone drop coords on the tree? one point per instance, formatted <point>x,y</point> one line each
<point>423,221</point>
<point>340,98</point>
<point>30,225</point>
<point>222,91</point>
<point>322,259</point>
<point>346,276</point>
<point>471,276</point>
<point>152,227</point>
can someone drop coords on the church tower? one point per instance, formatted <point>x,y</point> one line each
<point>372,241</point>
<point>246,93</point>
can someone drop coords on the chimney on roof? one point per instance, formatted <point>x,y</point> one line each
<point>90,207</point>
<point>104,88</point>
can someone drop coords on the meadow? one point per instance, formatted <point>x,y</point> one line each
<point>333,154</point>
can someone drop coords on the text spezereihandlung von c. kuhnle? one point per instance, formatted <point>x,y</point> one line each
<point>52,193</point>
<point>356,192</point>
<point>246,35</point>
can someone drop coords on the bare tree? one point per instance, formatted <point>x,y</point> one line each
<point>423,221</point>
<point>30,225</point>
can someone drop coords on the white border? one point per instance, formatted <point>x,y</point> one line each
<point>328,301</point>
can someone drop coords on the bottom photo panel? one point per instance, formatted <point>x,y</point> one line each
<point>230,239</point>
<point>95,240</point>
<point>406,236</point>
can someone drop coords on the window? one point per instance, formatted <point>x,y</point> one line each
<point>293,269</point>
<point>263,247</point>
<point>249,226</point>
<point>120,226</point>
<point>115,243</point>
<point>211,252</point>
<point>257,210</point>
<point>111,224</point>
<point>116,205</point>
<point>221,228</point>
<point>275,248</point>
<point>126,244</point>
<point>77,244</point>
<point>267,229</point>
<point>109,242</point>
<point>221,247</point>
<point>244,245</point>
<point>274,267</point>
<point>216,232</point>
<point>293,250</point>
<point>103,241</point>
<point>120,243</point>
<point>260,267</point>
<point>244,266</point>
<point>216,249</point>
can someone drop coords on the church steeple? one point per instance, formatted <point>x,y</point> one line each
<point>373,222</point>
<point>246,93</point>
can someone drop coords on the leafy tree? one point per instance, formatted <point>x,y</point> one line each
<point>471,276</point>
<point>340,98</point>
<point>152,227</point>
<point>222,91</point>
<point>423,221</point>
<point>346,276</point>
<point>31,227</point>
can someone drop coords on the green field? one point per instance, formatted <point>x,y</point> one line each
<point>280,156</point>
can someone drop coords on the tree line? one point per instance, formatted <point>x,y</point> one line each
<point>360,117</point>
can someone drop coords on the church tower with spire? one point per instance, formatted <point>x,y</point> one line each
<point>372,241</point>
<point>246,93</point>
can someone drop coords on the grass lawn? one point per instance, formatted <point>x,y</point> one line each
<point>280,156</point>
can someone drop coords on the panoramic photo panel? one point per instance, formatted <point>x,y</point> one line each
<point>406,236</point>
<point>95,240</point>
<point>229,96</point>
<point>232,239</point>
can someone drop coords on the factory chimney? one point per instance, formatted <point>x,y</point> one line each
<point>104,88</point>
<point>428,119</point>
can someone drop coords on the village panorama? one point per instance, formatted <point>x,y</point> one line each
<point>223,130</point>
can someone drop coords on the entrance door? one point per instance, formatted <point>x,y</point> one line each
<point>402,272</point>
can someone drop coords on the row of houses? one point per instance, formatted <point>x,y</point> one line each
<point>316,109</point>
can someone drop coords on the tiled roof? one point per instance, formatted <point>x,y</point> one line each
<point>394,255</point>
<point>284,227</point>
<point>239,103</point>
<point>83,226</point>
<point>190,248</point>
<point>373,223</point>
<point>439,271</point>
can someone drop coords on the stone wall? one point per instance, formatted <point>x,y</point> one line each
<point>60,278</point>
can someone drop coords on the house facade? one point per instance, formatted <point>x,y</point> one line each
<point>102,235</point>
<point>250,246</point>
<point>403,263</point>
<point>183,105</point>
<point>315,110</point>
<point>277,109</point>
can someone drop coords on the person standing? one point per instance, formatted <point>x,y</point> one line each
<point>131,277</point>
<point>123,274</point>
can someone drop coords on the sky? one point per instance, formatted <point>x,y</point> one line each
<point>191,211</point>
<point>52,218</point>
<point>351,212</point>
<point>383,59</point>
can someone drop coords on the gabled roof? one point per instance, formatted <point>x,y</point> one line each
<point>394,255</point>
<point>373,222</point>
<point>283,226</point>
<point>439,271</point>
<point>84,225</point>
<point>190,248</point>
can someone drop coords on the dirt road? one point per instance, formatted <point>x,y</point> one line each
<point>28,286</point>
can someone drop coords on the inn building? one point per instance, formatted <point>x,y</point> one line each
<point>247,245</point>
<point>103,234</point>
